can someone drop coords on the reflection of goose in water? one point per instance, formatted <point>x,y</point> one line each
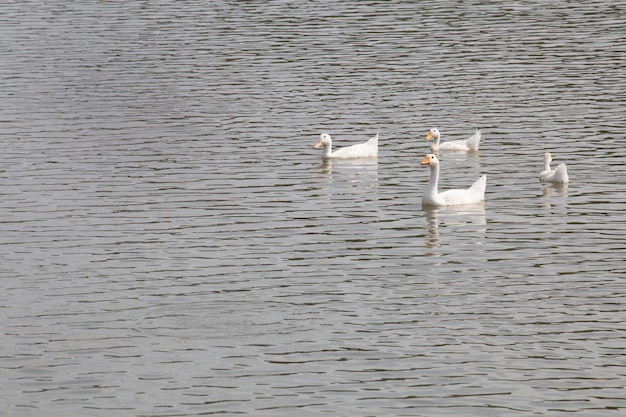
<point>354,167</point>
<point>555,189</point>
<point>432,235</point>
<point>454,218</point>
<point>326,167</point>
<point>343,177</point>
<point>554,196</point>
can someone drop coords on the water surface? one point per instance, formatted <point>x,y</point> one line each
<point>172,244</point>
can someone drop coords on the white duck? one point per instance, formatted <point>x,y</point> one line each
<point>368,149</point>
<point>470,144</point>
<point>558,175</point>
<point>432,197</point>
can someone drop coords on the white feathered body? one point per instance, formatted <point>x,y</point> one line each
<point>558,175</point>
<point>432,196</point>
<point>470,144</point>
<point>368,149</point>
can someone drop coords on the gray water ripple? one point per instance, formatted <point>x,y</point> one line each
<point>171,244</point>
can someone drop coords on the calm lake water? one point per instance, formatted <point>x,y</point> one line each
<point>171,244</point>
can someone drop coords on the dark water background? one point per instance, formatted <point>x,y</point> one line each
<point>171,244</point>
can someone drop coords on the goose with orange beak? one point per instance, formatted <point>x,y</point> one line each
<point>432,196</point>
<point>368,149</point>
<point>470,144</point>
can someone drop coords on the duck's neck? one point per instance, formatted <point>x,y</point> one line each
<point>546,165</point>
<point>433,182</point>
<point>328,150</point>
<point>435,146</point>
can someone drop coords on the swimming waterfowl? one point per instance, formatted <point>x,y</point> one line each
<point>432,196</point>
<point>368,149</point>
<point>558,175</point>
<point>470,144</point>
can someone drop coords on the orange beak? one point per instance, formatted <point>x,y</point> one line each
<point>429,136</point>
<point>426,160</point>
<point>318,144</point>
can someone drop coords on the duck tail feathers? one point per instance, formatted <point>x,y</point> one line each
<point>561,173</point>
<point>480,185</point>
<point>474,141</point>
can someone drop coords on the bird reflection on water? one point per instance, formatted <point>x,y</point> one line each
<point>453,221</point>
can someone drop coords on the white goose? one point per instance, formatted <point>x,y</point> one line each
<point>432,197</point>
<point>368,149</point>
<point>470,144</point>
<point>558,175</point>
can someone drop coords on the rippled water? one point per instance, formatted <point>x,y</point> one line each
<point>173,246</point>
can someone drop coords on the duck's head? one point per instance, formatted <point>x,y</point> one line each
<point>324,140</point>
<point>547,158</point>
<point>433,134</point>
<point>430,160</point>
